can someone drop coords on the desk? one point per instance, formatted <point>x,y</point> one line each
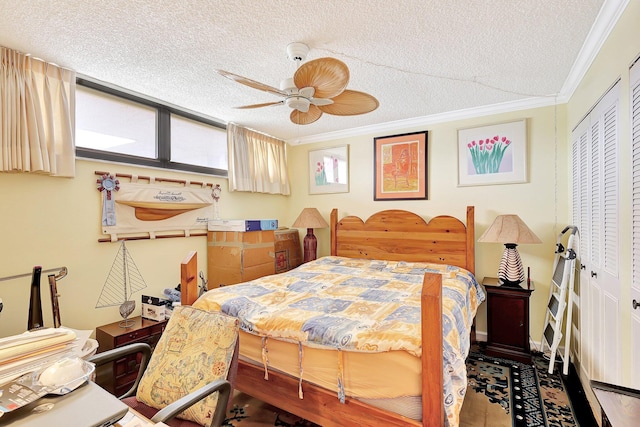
<point>88,405</point>
<point>620,405</point>
<point>134,419</point>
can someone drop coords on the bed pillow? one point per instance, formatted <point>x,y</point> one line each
<point>195,348</point>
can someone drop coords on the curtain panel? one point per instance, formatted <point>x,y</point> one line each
<point>257,162</point>
<point>37,116</point>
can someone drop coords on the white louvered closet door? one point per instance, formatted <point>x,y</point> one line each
<point>580,200</point>
<point>596,203</point>
<point>634,85</point>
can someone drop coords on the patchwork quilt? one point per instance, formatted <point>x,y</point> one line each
<point>358,305</point>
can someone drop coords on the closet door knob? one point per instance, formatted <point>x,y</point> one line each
<point>594,274</point>
<point>635,304</point>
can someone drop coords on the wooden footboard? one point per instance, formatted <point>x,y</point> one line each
<point>432,348</point>
<point>322,406</point>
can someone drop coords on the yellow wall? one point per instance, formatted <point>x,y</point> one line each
<point>55,222</point>
<point>534,201</point>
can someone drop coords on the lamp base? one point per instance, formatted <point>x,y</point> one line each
<point>511,272</point>
<point>509,283</point>
<point>310,245</point>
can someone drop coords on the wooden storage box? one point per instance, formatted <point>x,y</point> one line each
<point>288,252</point>
<point>235,256</point>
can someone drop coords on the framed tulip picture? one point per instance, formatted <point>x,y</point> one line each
<point>494,154</point>
<point>329,170</point>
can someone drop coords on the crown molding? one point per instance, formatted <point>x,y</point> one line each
<point>449,116</point>
<point>605,22</point>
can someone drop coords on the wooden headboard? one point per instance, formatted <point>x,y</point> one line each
<point>400,235</point>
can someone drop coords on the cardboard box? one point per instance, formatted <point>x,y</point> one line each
<point>288,250</point>
<point>153,308</point>
<point>235,257</point>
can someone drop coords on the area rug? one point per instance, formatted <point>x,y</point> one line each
<point>513,394</point>
<point>500,393</point>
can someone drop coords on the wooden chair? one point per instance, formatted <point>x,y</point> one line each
<point>167,414</point>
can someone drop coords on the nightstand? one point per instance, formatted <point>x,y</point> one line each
<point>507,320</point>
<point>118,377</point>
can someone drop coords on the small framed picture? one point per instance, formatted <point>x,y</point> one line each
<point>494,154</point>
<point>329,170</point>
<point>400,167</point>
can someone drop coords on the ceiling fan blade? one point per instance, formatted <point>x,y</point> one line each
<point>300,118</point>
<point>350,103</point>
<point>251,83</point>
<point>329,77</point>
<point>265,104</point>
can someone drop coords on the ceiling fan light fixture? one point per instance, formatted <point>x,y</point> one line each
<point>307,92</point>
<point>287,85</point>
<point>298,103</point>
<point>321,101</point>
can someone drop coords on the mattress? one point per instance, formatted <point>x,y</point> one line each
<point>335,321</point>
<point>322,367</point>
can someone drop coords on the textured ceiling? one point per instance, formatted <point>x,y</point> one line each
<point>419,58</point>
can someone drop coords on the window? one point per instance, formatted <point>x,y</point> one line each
<point>195,140</point>
<point>117,126</point>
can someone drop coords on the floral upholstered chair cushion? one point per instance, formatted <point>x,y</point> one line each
<point>195,349</point>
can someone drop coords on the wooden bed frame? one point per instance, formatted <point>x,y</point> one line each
<point>390,235</point>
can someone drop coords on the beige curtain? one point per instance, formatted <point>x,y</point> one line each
<point>257,162</point>
<point>37,116</point>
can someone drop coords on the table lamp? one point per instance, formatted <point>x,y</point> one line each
<point>510,230</point>
<point>310,218</point>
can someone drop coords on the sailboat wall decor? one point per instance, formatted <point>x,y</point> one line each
<point>157,208</point>
<point>124,279</point>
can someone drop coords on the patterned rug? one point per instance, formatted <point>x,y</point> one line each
<point>500,393</point>
<point>526,395</point>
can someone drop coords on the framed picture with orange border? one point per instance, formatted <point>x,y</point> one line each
<point>400,167</point>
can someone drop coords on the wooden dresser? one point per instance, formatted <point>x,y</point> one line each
<point>119,377</point>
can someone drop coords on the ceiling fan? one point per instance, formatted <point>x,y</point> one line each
<point>317,87</point>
